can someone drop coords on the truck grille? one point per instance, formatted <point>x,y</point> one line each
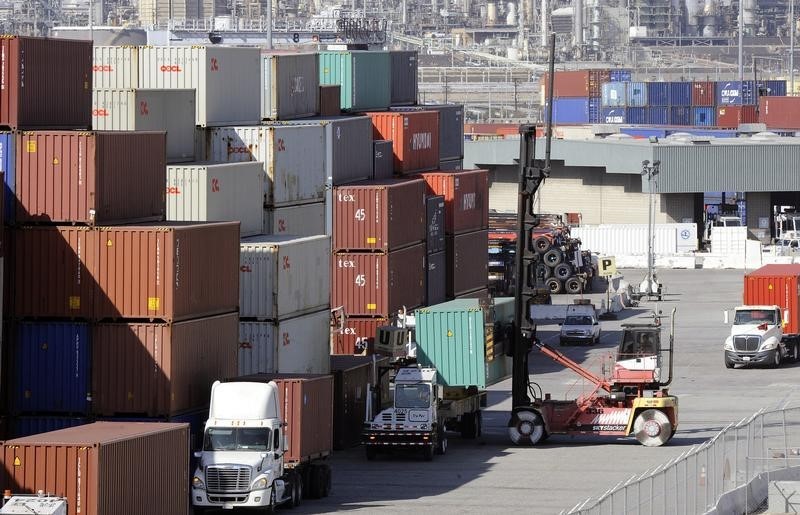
<point>228,479</point>
<point>746,343</point>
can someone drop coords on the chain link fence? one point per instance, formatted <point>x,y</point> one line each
<point>730,473</point>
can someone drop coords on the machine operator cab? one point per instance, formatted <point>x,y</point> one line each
<point>641,358</point>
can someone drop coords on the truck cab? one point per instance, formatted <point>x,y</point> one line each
<point>757,338</point>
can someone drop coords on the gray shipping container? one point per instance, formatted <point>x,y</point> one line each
<point>289,86</point>
<point>404,77</point>
<point>436,278</point>
<point>434,224</point>
<point>383,159</point>
<point>451,165</point>
<point>451,128</point>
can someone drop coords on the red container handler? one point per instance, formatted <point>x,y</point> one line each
<point>357,336</point>
<point>779,112</point>
<point>46,83</point>
<point>776,285</point>
<point>414,136</point>
<point>730,116</point>
<point>466,198</point>
<point>382,215</point>
<point>467,262</point>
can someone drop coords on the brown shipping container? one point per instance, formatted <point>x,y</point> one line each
<point>415,138</point>
<point>52,271</point>
<point>351,375</point>
<point>170,272</point>
<point>330,100</point>
<point>119,468</point>
<point>579,83</point>
<point>729,117</point>
<point>91,177</point>
<point>477,294</point>
<point>467,262</point>
<point>47,83</point>
<point>779,112</point>
<point>379,284</point>
<point>380,215</point>
<point>703,94</point>
<point>158,370</point>
<point>466,198</point>
<point>357,336</point>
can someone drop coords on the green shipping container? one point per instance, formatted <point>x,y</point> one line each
<point>364,78</point>
<point>457,338</point>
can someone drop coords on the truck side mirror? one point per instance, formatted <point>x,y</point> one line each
<point>725,314</point>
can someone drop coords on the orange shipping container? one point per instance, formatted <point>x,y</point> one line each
<point>730,116</point>
<point>170,272</point>
<point>161,370</point>
<point>90,177</point>
<point>779,112</point>
<point>776,285</point>
<point>415,138</point>
<point>466,198</point>
<point>576,83</point>
<point>105,468</point>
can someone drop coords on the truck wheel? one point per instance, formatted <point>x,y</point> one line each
<point>468,425</point>
<point>328,480</point>
<point>441,441</point>
<point>553,257</point>
<point>427,453</point>
<point>729,363</point>
<point>526,427</point>
<point>271,508</point>
<point>554,285</point>
<point>795,352</point>
<point>776,358</point>
<point>297,491</point>
<point>573,285</point>
<point>371,452</point>
<point>317,485</point>
<point>652,428</point>
<point>562,271</point>
<point>541,244</point>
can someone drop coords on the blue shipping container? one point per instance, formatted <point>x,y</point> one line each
<point>658,94</point>
<point>7,167</point>
<point>680,93</point>
<point>594,110</point>
<point>27,426</point>
<point>774,88</point>
<point>704,116</point>
<point>613,94</point>
<point>658,115</point>
<point>620,75</point>
<point>681,116</point>
<point>613,115</point>
<point>570,110</point>
<point>636,94</point>
<point>733,92</point>
<point>51,368</point>
<point>636,115</point>
<point>643,132</point>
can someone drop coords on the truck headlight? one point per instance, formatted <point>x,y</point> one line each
<point>260,483</point>
<point>728,345</point>
<point>198,483</point>
<point>769,345</point>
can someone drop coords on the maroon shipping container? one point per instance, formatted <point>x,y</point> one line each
<point>483,293</point>
<point>351,375</point>
<point>90,177</point>
<point>779,112</point>
<point>330,100</point>
<point>46,83</point>
<point>703,93</point>
<point>170,272</point>
<point>579,83</point>
<point>53,269</point>
<point>157,370</point>
<point>357,336</point>
<point>467,262</point>
<point>120,468</point>
<point>379,284</point>
<point>380,215</point>
<point>414,136</point>
<point>466,198</point>
<point>729,117</point>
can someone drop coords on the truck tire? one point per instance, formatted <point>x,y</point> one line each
<point>553,257</point>
<point>441,441</point>
<point>541,244</point>
<point>795,352</point>
<point>328,484</point>
<point>317,484</point>
<point>427,453</point>
<point>554,285</point>
<point>573,285</point>
<point>562,271</point>
<point>776,358</point>
<point>297,491</point>
<point>729,363</point>
<point>270,509</point>
<point>371,452</point>
<point>468,426</point>
<point>478,424</point>
<point>526,427</point>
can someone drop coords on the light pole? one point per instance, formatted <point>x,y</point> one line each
<point>649,286</point>
<point>791,48</point>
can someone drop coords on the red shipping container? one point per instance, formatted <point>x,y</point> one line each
<point>776,285</point>
<point>779,112</point>
<point>357,336</point>
<point>103,468</point>
<point>159,370</point>
<point>729,117</point>
<point>467,262</point>
<point>372,284</point>
<point>415,138</point>
<point>379,215</point>
<point>578,83</point>
<point>91,177</point>
<point>466,198</point>
<point>53,270</point>
<point>47,83</point>
<point>169,272</point>
<point>703,93</point>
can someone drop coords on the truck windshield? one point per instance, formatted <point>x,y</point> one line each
<point>578,320</point>
<point>755,316</point>
<point>412,396</point>
<point>237,439</point>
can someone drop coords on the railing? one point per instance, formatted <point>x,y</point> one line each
<point>732,469</point>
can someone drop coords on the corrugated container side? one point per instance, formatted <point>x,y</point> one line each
<point>115,67</point>
<point>703,116</point>
<point>47,83</point>
<point>160,369</point>
<point>51,368</point>
<point>348,149</point>
<point>680,93</point>
<point>614,94</point>
<point>280,276</point>
<point>27,426</point>
<point>436,278</point>
<point>383,160</point>
<point>7,166</point>
<point>434,223</point>
<point>451,127</point>
<point>308,409</point>
<point>289,86</point>
<point>776,112</point>
<point>467,262</point>
<point>94,177</point>
<point>731,116</point>
<point>466,197</point>
<point>167,272</point>
<point>681,116</point>
<point>776,285</point>
<point>351,375</point>
<point>381,215</point>
<point>658,115</point>
<point>217,192</point>
<point>594,110</point>
<point>379,284</point>
<point>636,115</point>
<point>297,345</point>
<point>637,94</point>
<point>364,77</point>
<point>414,136</point>
<point>404,77</point>
<point>567,84</point>
<point>87,464</point>
<point>613,115</point>
<point>304,220</point>
<point>703,94</point>
<point>774,88</point>
<point>56,266</point>
<point>569,110</point>
<point>659,93</point>
<point>357,336</point>
<point>330,100</point>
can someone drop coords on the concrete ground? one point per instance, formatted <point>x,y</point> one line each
<point>491,476</point>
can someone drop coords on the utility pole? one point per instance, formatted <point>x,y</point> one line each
<point>650,171</point>
<point>741,42</point>
<point>792,26</point>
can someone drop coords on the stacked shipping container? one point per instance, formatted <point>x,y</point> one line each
<point>578,95</point>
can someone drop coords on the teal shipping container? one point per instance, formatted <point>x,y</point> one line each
<point>364,77</point>
<point>457,338</point>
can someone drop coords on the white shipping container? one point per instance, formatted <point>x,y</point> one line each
<point>631,239</point>
<point>302,220</point>
<point>283,276</point>
<point>289,86</point>
<point>203,192</point>
<point>115,67</point>
<point>293,155</point>
<point>299,345</point>
<point>170,110</point>
<point>226,79</point>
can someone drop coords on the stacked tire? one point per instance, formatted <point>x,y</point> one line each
<point>553,264</point>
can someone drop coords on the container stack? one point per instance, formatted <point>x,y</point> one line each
<point>364,78</point>
<point>578,95</point>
